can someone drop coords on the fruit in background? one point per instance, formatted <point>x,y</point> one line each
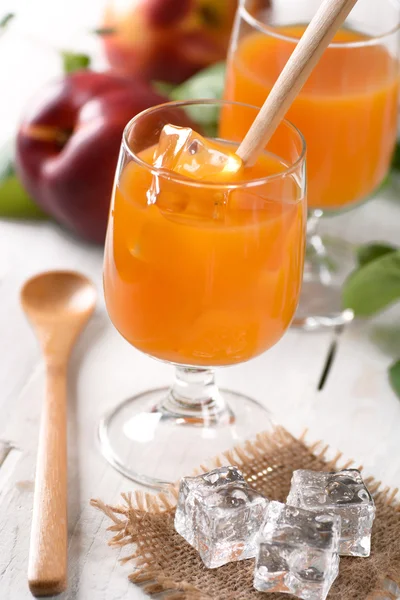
<point>68,144</point>
<point>166,40</point>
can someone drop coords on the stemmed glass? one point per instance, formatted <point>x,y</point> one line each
<point>200,275</point>
<point>347,112</point>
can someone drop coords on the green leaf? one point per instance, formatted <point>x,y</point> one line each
<point>374,286</point>
<point>74,61</point>
<point>208,83</point>
<point>385,183</point>
<point>14,201</point>
<point>396,157</point>
<point>394,377</point>
<point>163,87</point>
<point>104,31</point>
<point>6,19</point>
<point>369,252</point>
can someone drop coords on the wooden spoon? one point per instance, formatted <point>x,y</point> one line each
<point>58,305</point>
<point>316,38</point>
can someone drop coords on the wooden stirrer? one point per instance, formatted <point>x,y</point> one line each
<point>316,38</point>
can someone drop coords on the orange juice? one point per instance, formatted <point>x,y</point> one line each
<point>347,110</point>
<point>204,275</point>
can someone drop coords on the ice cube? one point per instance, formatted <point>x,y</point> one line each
<point>343,493</point>
<point>297,552</point>
<point>220,515</point>
<point>182,150</point>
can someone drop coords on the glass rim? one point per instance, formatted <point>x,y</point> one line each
<point>272,31</point>
<point>208,184</point>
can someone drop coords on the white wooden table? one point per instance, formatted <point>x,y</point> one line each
<point>355,410</point>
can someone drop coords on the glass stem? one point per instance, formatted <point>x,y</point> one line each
<point>313,221</point>
<point>316,266</point>
<point>195,397</point>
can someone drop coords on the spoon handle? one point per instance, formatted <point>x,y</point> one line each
<point>47,571</point>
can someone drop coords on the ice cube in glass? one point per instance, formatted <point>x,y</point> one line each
<point>343,493</point>
<point>220,515</point>
<point>297,552</point>
<point>186,152</point>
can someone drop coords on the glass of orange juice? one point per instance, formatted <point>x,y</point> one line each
<point>199,274</point>
<point>347,112</point>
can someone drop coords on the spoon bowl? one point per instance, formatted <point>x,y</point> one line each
<point>58,294</point>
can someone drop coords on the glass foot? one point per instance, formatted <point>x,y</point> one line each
<point>328,263</point>
<point>155,446</point>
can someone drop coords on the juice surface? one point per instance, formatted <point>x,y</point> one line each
<point>347,110</point>
<point>204,276</point>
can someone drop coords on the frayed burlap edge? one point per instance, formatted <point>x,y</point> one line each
<point>138,502</point>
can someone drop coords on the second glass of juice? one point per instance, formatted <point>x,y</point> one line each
<point>347,112</point>
<point>201,269</point>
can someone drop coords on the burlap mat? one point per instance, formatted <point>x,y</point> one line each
<point>164,562</point>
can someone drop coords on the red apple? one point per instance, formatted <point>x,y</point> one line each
<point>68,145</point>
<point>167,40</point>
